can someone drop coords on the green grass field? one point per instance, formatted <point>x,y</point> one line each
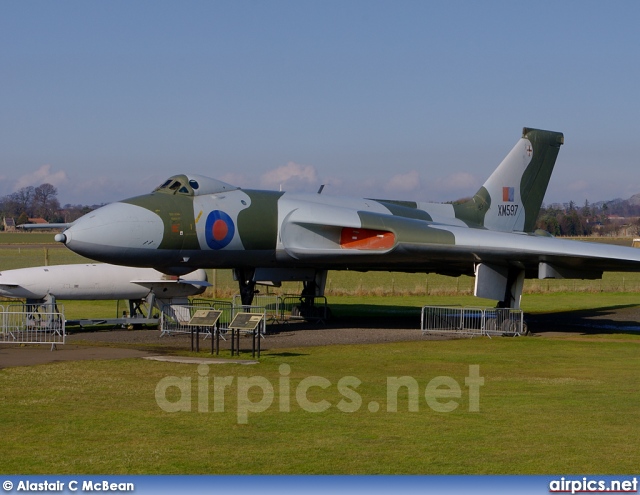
<point>546,406</point>
<point>15,238</point>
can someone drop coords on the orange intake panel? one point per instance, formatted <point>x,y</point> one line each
<point>366,239</point>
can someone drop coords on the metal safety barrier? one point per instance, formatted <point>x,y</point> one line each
<point>174,318</point>
<point>472,321</point>
<point>271,304</point>
<point>30,324</point>
<point>282,309</point>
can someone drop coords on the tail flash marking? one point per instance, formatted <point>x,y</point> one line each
<point>507,194</point>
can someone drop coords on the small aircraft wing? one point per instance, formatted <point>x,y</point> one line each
<point>36,226</point>
<point>197,278</point>
<point>199,283</point>
<point>160,284</point>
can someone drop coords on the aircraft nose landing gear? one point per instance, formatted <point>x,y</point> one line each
<point>246,283</point>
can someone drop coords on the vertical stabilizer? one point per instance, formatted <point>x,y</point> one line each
<point>510,200</point>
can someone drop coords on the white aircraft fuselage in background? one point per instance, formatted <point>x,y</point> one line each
<point>97,281</point>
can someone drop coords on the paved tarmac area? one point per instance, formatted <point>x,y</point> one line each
<point>118,343</point>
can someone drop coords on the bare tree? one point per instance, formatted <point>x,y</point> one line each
<point>45,201</point>
<point>23,200</point>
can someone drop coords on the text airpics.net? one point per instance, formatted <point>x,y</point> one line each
<point>256,394</point>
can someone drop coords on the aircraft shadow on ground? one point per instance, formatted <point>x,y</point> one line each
<point>359,316</point>
<point>620,319</point>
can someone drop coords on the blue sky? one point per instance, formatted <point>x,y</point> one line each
<point>401,99</point>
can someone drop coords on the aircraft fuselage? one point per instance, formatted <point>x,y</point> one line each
<point>196,222</point>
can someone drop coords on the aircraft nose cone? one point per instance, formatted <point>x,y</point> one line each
<point>119,233</point>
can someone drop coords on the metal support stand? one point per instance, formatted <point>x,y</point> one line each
<point>246,322</point>
<point>207,318</point>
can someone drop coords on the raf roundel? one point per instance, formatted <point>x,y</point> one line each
<point>219,229</point>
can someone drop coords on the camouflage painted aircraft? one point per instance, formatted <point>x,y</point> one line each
<point>193,222</point>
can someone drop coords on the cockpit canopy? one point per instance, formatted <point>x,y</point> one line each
<point>193,185</point>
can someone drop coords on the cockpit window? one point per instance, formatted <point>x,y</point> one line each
<point>193,185</point>
<point>178,184</point>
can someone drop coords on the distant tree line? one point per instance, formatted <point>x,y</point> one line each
<point>567,219</point>
<point>39,202</point>
<point>604,218</point>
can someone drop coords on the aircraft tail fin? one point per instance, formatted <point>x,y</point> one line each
<point>510,199</point>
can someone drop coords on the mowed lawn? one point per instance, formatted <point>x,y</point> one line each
<point>546,406</point>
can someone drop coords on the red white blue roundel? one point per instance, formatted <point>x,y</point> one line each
<point>219,229</point>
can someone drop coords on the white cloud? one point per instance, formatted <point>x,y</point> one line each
<point>404,182</point>
<point>458,182</point>
<point>42,176</point>
<point>291,175</point>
